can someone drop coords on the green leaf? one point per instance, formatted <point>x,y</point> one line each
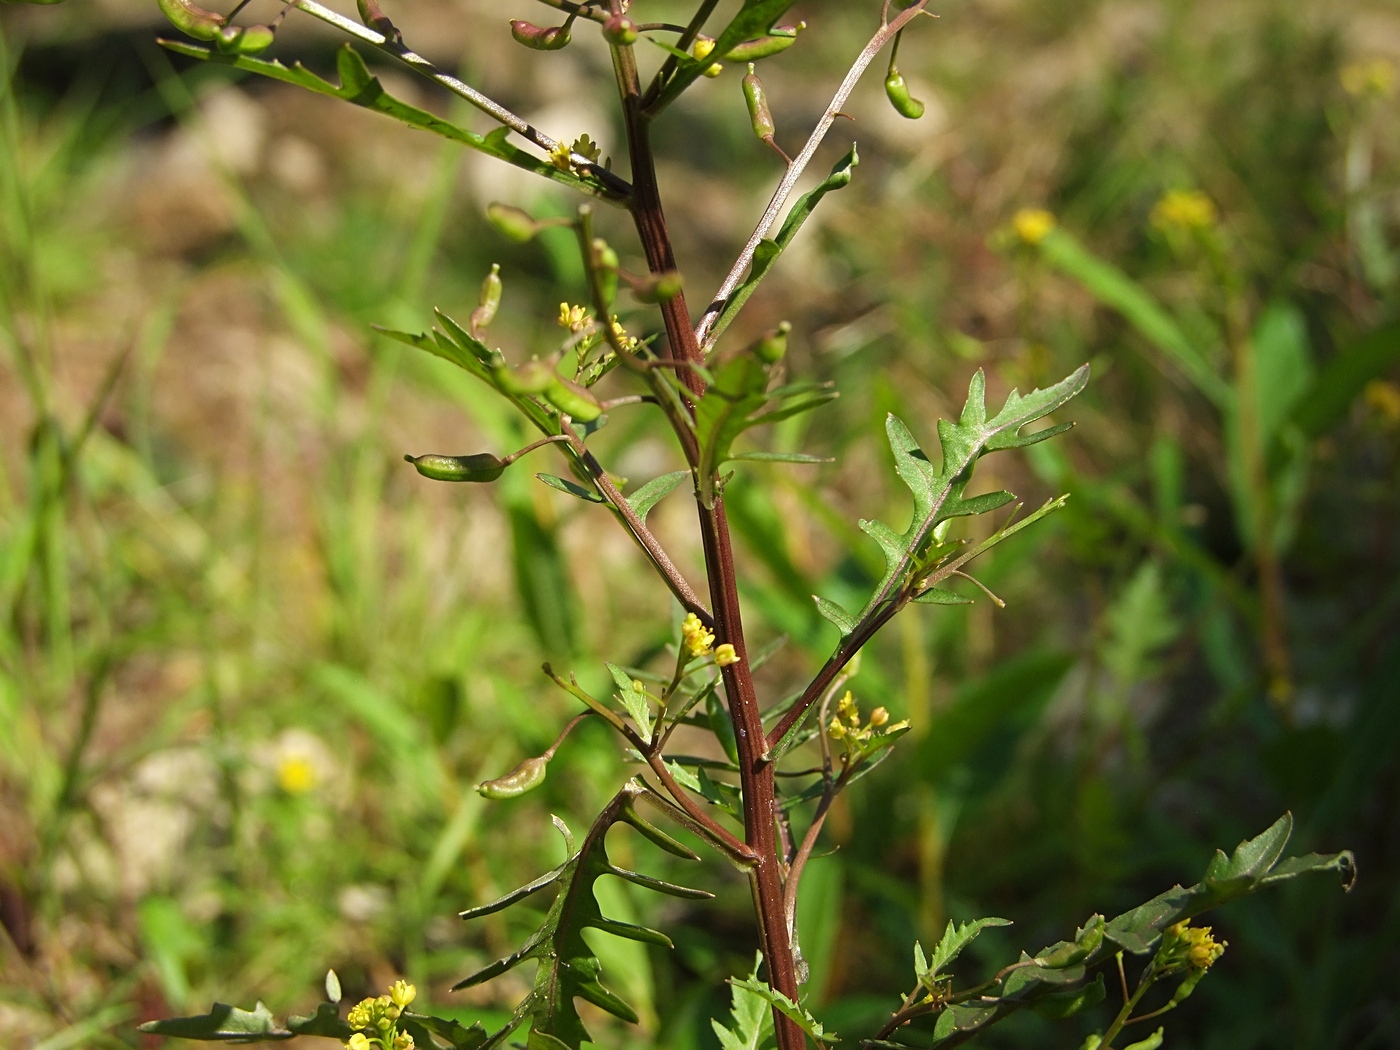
<point>635,700</point>
<point>1070,1001</point>
<point>938,596</point>
<point>938,493</point>
<point>779,457</point>
<point>571,488</point>
<point>951,945</point>
<point>654,491</point>
<point>844,621</point>
<point>1118,291</point>
<point>1330,396</point>
<point>1253,858</point>
<point>657,885</point>
<point>768,250</point>
<point>226,1024</point>
<point>722,414</point>
<point>363,89</point>
<point>752,1018</point>
<point>788,1008</point>
<point>324,1022</point>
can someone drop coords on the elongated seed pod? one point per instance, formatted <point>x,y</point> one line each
<point>525,777</point>
<point>533,377</point>
<point>372,16</point>
<point>606,262</point>
<point>482,466</point>
<point>491,289</point>
<point>771,346</point>
<point>573,400</point>
<point>540,38</point>
<point>514,223</point>
<point>244,40</point>
<point>905,104</point>
<point>191,19</point>
<point>779,40</point>
<point>757,100</point>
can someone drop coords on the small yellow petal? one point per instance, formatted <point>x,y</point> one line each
<point>1033,225</point>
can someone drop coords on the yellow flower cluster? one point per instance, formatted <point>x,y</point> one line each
<point>846,726</point>
<point>696,638</point>
<point>380,1016</point>
<point>1190,946</point>
<point>1377,77</point>
<point>1183,210</point>
<point>1032,225</point>
<point>704,47</point>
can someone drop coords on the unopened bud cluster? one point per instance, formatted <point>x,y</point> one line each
<point>846,727</point>
<point>1188,947</point>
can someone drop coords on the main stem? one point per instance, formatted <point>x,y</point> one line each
<point>755,776</point>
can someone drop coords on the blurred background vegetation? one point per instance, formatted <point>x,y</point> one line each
<point>251,665</point>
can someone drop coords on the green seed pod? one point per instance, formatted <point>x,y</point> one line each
<point>525,777</point>
<point>757,101</point>
<point>657,287</point>
<point>515,224</point>
<point>781,38</point>
<point>491,288</point>
<point>905,104</point>
<point>533,377</point>
<point>620,30</point>
<point>540,38</point>
<point>244,40</point>
<point>482,466</point>
<point>771,346</point>
<point>191,19</point>
<point>577,402</point>
<point>606,262</point>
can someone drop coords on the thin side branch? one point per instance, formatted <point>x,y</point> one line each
<point>794,172</point>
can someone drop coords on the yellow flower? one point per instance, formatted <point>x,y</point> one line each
<point>363,1014</point>
<point>586,147</point>
<point>836,729</point>
<point>1183,210</point>
<point>358,1041</point>
<point>1377,77</point>
<point>704,45</point>
<point>295,774</point>
<point>403,1041</point>
<point>574,318</point>
<point>725,655</point>
<point>402,993</point>
<point>879,716</point>
<point>697,640</point>
<point>560,156</point>
<point>1383,398</point>
<point>1032,225</point>
<point>1191,946</point>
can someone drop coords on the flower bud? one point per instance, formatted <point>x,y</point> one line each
<point>781,38</point>
<point>771,346</point>
<point>491,289</point>
<point>540,38</point>
<point>905,104</point>
<point>702,49</point>
<point>514,223</point>
<point>244,40</point>
<point>482,466</point>
<point>620,30</point>
<point>525,777</point>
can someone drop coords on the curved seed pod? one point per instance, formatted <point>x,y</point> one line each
<point>514,223</point>
<point>191,19</point>
<point>491,289</point>
<point>620,30</point>
<point>657,287</point>
<point>780,39</point>
<point>702,49</point>
<point>482,466</point>
<point>573,400</point>
<point>372,16</point>
<point>771,346</point>
<point>533,377</point>
<point>606,262</point>
<point>244,40</point>
<point>540,38</point>
<point>525,777</point>
<point>905,104</point>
